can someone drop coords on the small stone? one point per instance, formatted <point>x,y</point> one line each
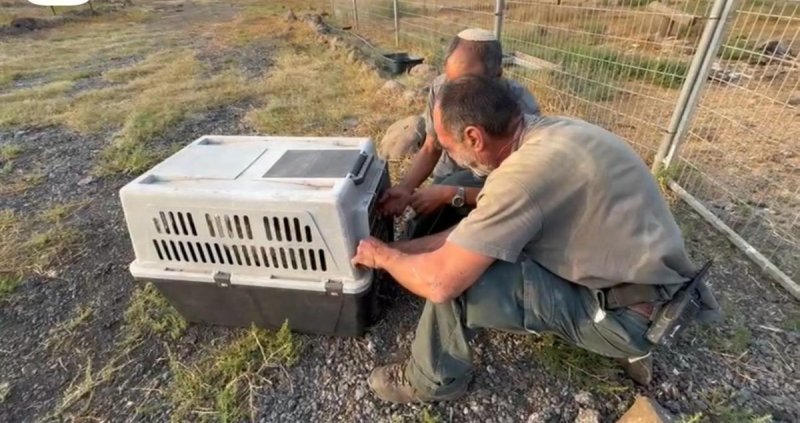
<point>424,71</point>
<point>538,417</point>
<point>410,95</point>
<point>646,410</point>
<point>360,393</point>
<point>392,85</point>
<point>333,42</point>
<point>587,415</point>
<point>794,101</point>
<point>583,398</point>
<point>350,122</point>
<point>86,181</point>
<point>352,56</point>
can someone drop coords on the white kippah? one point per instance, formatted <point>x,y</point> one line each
<point>477,34</point>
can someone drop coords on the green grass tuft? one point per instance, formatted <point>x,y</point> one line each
<point>586,370</point>
<point>149,314</point>
<point>221,385</point>
<point>8,284</point>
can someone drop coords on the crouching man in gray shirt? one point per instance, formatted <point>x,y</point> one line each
<point>568,217</point>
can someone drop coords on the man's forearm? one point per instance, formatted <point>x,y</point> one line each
<point>421,165</point>
<point>415,272</point>
<point>422,245</point>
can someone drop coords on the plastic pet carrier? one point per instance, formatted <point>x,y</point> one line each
<point>247,230</point>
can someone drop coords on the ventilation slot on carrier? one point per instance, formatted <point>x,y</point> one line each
<point>286,229</point>
<point>241,255</point>
<point>229,226</point>
<point>175,223</point>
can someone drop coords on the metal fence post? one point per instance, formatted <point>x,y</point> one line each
<point>396,23</point>
<point>355,14</point>
<point>696,77</point>
<point>499,9</point>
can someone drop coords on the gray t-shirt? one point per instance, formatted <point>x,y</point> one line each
<point>579,201</point>
<point>447,165</point>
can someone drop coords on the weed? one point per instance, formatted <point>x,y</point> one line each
<point>633,3</point>
<point>587,370</point>
<point>8,284</point>
<point>220,385</point>
<point>91,380</point>
<point>9,152</point>
<point>731,341</point>
<point>740,48</point>
<point>149,313</point>
<point>695,418</point>
<point>21,184</point>
<point>428,416</point>
<point>61,335</point>
<point>792,323</point>
<point>47,248</point>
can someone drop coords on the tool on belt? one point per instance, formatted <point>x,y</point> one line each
<point>684,307</point>
<point>670,308</point>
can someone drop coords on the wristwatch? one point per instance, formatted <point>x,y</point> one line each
<point>458,199</point>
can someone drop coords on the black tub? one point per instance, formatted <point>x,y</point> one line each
<point>399,63</point>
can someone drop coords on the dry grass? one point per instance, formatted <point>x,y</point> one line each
<point>221,385</point>
<point>61,336</point>
<point>312,91</point>
<point>32,246</point>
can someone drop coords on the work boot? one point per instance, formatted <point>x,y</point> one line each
<point>391,384</point>
<point>641,371</point>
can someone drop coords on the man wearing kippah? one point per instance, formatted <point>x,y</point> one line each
<point>454,190</point>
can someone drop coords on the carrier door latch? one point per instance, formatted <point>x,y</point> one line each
<point>222,279</point>
<point>333,288</point>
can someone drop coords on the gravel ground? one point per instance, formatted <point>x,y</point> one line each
<point>703,373</point>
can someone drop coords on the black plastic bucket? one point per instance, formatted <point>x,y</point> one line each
<point>400,63</point>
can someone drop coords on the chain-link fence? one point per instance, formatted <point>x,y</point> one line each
<point>706,90</point>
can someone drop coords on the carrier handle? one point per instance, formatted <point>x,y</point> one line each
<point>359,170</point>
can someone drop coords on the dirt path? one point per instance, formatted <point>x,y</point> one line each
<point>65,345</point>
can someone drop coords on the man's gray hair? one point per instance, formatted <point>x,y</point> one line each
<point>488,51</point>
<point>477,101</point>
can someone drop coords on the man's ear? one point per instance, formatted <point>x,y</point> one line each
<point>473,137</point>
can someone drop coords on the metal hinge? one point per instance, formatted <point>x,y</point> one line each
<point>222,279</point>
<point>333,287</point>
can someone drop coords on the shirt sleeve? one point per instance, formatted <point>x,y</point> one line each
<point>525,99</point>
<point>429,130</point>
<point>505,220</point>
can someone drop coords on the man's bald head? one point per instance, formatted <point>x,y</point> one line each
<point>474,52</point>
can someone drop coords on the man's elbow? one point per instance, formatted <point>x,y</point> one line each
<point>444,292</point>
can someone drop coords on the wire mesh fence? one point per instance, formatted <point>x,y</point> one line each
<point>626,65</point>
<point>741,154</point>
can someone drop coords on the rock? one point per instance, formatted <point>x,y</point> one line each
<point>360,393</point>
<point>587,415</point>
<point>350,122</point>
<point>772,50</point>
<point>721,74</point>
<point>646,410</point>
<point>86,181</point>
<point>290,16</point>
<point>794,101</point>
<point>410,95</point>
<point>424,72</point>
<point>392,85</point>
<point>538,417</point>
<point>583,398</point>
<point>403,137</point>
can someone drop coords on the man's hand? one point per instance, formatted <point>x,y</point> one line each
<point>432,198</point>
<point>369,253</point>
<point>394,200</point>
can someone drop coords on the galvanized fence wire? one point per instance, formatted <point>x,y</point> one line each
<point>741,155</point>
<point>622,64</point>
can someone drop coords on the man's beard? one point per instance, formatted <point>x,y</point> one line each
<point>477,168</point>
